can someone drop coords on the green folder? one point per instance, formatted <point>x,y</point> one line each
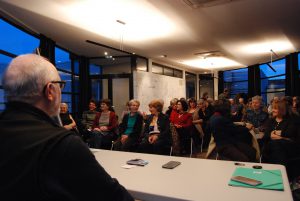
<point>271,179</point>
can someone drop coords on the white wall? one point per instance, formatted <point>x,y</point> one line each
<point>149,86</point>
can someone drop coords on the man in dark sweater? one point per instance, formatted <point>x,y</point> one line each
<point>40,160</point>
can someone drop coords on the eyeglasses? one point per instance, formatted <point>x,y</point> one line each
<point>62,85</point>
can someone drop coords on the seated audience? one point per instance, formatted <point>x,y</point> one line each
<point>157,134</point>
<point>130,129</point>
<point>104,127</point>
<point>39,159</point>
<point>66,118</point>
<point>281,136</point>
<point>183,123</point>
<point>256,117</point>
<point>88,116</point>
<point>232,142</point>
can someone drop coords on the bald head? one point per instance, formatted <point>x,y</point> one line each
<point>26,76</point>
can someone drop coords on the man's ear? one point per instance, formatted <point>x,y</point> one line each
<point>49,92</point>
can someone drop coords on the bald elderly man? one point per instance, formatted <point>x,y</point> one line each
<point>38,159</point>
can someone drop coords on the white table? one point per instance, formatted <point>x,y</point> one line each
<point>195,179</point>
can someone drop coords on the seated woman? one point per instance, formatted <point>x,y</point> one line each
<point>66,118</point>
<point>130,129</point>
<point>183,123</point>
<point>281,136</point>
<point>104,127</point>
<point>157,138</point>
<point>232,142</point>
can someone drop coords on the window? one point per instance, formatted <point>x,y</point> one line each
<point>298,61</point>
<point>190,80</point>
<point>206,84</point>
<point>141,64</point>
<point>68,71</point>
<point>236,81</point>
<point>2,104</point>
<point>16,41</point>
<point>95,69</point>
<point>13,42</point>
<point>62,60</point>
<point>272,79</point>
<point>4,61</point>
<point>178,73</point>
<point>165,70</point>
<point>157,69</point>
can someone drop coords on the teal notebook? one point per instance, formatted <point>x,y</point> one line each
<point>271,179</point>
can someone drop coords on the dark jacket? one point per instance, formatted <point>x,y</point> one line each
<point>137,128</point>
<point>225,132</point>
<point>163,124</point>
<point>287,126</point>
<point>42,161</point>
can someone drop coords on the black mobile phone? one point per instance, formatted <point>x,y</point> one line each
<point>246,180</point>
<point>171,164</point>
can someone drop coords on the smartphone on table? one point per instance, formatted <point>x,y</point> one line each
<point>246,180</point>
<point>171,164</point>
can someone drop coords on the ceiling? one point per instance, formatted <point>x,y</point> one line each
<point>239,33</point>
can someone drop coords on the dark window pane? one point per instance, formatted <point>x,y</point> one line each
<point>95,69</point>
<point>141,64</point>
<point>168,71</point>
<point>96,89</point>
<point>236,75</point>
<point>2,106</point>
<point>76,101</point>
<point>273,84</point>
<point>76,67</point>
<point>178,73</point>
<point>190,85</point>
<point>67,98</point>
<point>236,81</point>
<point>66,77</point>
<point>4,61</point>
<point>278,69</point>
<point>15,41</point>
<point>299,61</point>
<point>62,59</point>
<point>206,85</point>
<point>157,69</point>
<point>76,84</point>
<point>236,87</point>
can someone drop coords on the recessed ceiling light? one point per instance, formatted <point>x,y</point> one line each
<point>105,53</point>
<point>212,63</point>
<point>265,47</point>
<point>163,56</point>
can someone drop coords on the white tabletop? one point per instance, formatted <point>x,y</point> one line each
<point>195,179</point>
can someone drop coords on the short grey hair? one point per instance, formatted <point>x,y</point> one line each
<point>26,76</point>
<point>259,98</point>
<point>133,101</point>
<point>64,104</point>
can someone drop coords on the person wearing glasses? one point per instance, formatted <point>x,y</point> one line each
<point>39,159</point>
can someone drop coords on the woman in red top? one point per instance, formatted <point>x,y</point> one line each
<point>183,123</point>
<point>104,129</point>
